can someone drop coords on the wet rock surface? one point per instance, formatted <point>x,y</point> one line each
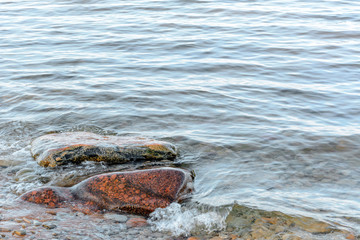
<point>56,149</point>
<point>139,192</point>
<point>250,223</point>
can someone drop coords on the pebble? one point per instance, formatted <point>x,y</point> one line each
<point>350,236</point>
<point>36,223</point>
<point>116,217</point>
<point>26,220</point>
<point>49,225</point>
<point>217,238</point>
<point>19,233</point>
<point>51,212</point>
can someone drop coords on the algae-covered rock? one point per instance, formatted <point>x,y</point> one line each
<point>139,192</point>
<point>56,149</point>
<point>253,223</point>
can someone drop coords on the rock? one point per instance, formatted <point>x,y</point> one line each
<point>56,149</point>
<point>5,229</point>
<point>49,225</point>
<point>139,192</point>
<point>136,222</point>
<point>193,238</point>
<point>351,236</point>
<point>313,226</point>
<point>19,233</point>
<point>36,223</point>
<point>217,238</point>
<point>263,224</point>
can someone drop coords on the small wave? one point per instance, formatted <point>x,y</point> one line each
<point>186,221</point>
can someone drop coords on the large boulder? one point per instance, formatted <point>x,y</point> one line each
<point>139,192</point>
<point>56,149</point>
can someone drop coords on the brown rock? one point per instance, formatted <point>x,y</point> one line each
<point>312,225</point>
<point>193,238</point>
<point>4,229</point>
<point>216,238</point>
<point>139,192</point>
<point>263,224</point>
<point>136,222</point>
<point>19,233</point>
<point>350,236</point>
<point>56,149</point>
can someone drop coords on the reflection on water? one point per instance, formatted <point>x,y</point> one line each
<point>260,97</point>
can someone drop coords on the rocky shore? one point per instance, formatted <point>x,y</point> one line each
<point>117,205</point>
<point>35,222</point>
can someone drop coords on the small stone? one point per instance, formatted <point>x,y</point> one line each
<point>5,229</point>
<point>193,238</point>
<point>36,223</point>
<point>216,238</point>
<point>136,222</point>
<point>19,233</point>
<point>51,212</point>
<point>26,220</point>
<point>116,217</point>
<point>233,236</point>
<point>351,236</point>
<point>279,229</point>
<point>49,225</point>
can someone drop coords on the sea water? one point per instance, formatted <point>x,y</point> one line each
<point>261,97</point>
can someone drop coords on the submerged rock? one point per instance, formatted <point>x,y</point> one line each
<point>252,223</point>
<point>56,149</point>
<point>139,192</point>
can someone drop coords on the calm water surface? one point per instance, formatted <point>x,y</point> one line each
<point>261,97</point>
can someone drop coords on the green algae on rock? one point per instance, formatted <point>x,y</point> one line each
<point>251,223</point>
<point>139,192</point>
<point>56,149</point>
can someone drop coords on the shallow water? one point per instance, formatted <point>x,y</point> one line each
<point>261,97</point>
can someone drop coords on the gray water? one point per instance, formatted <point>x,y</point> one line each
<point>261,97</point>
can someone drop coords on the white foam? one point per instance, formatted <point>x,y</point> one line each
<point>179,220</point>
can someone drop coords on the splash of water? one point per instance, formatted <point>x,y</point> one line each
<point>180,220</point>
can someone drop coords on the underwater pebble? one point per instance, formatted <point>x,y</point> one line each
<point>19,233</point>
<point>49,225</point>
<point>36,223</point>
